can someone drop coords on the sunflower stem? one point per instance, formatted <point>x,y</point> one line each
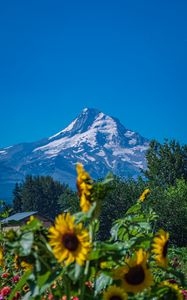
<point>86,270</point>
<point>67,288</point>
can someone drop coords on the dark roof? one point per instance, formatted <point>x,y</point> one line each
<point>19,216</point>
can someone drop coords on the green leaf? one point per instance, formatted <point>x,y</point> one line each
<point>83,217</point>
<point>102,282</point>
<point>108,178</point>
<point>75,273</point>
<point>26,243</point>
<point>95,254</point>
<point>27,296</point>
<point>134,209</point>
<point>43,278</point>
<point>51,278</point>
<point>34,225</point>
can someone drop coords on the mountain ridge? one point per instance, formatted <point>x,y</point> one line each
<point>93,138</point>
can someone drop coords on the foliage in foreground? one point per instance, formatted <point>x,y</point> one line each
<point>68,261</point>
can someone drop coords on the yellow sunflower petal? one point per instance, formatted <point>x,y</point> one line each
<point>114,292</point>
<point>160,247</point>
<point>69,241</point>
<point>135,276</point>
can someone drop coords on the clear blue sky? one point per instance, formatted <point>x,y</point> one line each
<point>127,58</point>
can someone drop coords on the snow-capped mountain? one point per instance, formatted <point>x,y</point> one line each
<point>97,140</point>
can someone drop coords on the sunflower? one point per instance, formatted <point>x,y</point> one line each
<point>21,263</point>
<point>70,241</point>
<point>135,276</point>
<point>144,195</point>
<point>32,218</point>
<point>173,290</point>
<point>25,288</point>
<point>16,262</point>
<point>160,247</point>
<point>26,266</point>
<point>114,293</point>
<point>84,186</point>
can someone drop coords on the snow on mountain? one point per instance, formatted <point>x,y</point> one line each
<point>97,140</point>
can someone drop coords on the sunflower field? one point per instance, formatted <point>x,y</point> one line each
<point>68,261</point>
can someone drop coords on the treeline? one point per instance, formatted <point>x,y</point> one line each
<point>45,195</point>
<point>166,177</point>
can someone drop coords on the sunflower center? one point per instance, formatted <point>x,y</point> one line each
<point>115,298</point>
<point>165,249</point>
<point>135,275</point>
<point>70,241</point>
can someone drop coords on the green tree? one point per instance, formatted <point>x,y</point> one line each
<point>121,195</point>
<point>17,199</point>
<point>40,193</point>
<point>69,201</point>
<point>29,195</point>
<point>171,206</point>
<point>50,191</point>
<point>166,163</point>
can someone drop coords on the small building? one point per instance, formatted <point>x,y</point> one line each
<point>19,219</point>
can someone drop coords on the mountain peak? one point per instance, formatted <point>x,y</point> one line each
<point>89,113</point>
<point>79,124</point>
<point>93,138</point>
<point>90,110</point>
<point>94,131</point>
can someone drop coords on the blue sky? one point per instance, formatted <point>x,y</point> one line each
<point>127,58</point>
